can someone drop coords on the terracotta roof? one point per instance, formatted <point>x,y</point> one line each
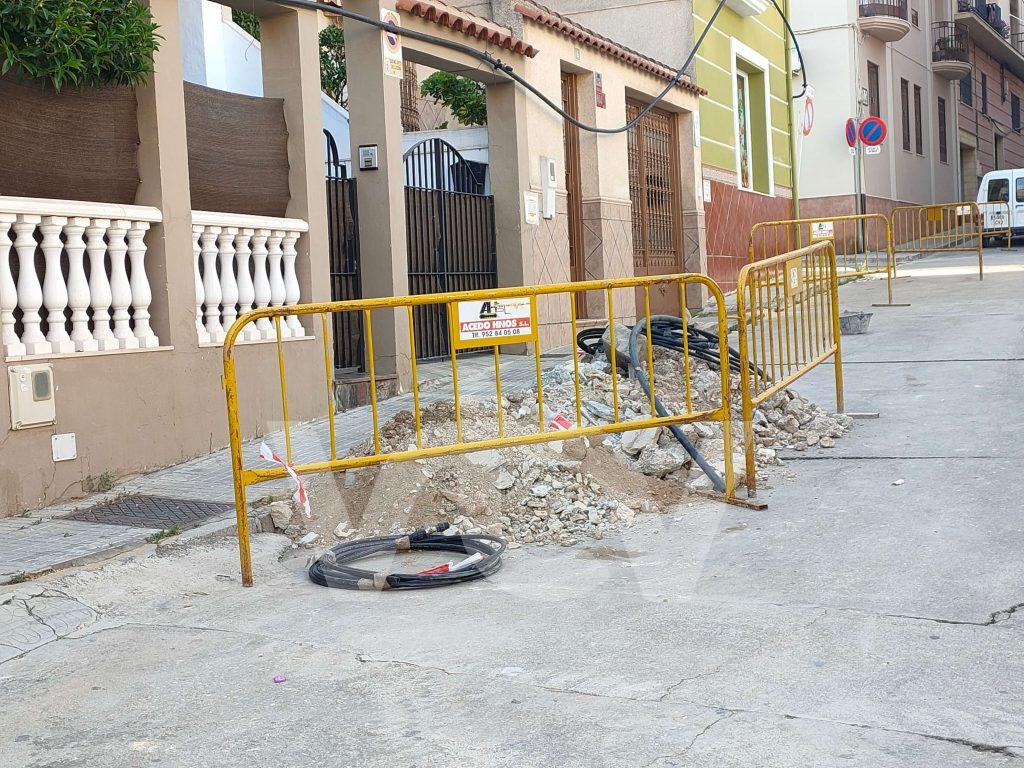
<point>459,20</point>
<point>566,26</point>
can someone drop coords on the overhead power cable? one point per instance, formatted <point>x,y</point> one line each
<point>506,69</point>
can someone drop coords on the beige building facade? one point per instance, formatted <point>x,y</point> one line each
<point>898,60</point>
<point>127,294</point>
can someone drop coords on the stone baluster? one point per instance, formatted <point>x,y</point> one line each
<point>78,285</point>
<point>291,282</point>
<point>30,292</point>
<point>120,288</point>
<point>261,281</point>
<point>10,344</point>
<point>277,287</point>
<point>228,281</point>
<point>246,290</point>
<point>99,284</point>
<point>201,332</point>
<point>211,284</point>
<point>55,289</point>
<point>142,294</point>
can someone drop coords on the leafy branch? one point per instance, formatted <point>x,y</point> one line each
<point>77,42</point>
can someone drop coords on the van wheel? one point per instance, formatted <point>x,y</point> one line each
<point>988,242</point>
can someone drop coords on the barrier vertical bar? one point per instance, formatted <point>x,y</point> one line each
<point>615,355</point>
<point>453,320</point>
<point>328,375</point>
<point>415,380</point>
<point>837,335</point>
<point>372,370</point>
<point>237,477</point>
<point>747,408</point>
<point>576,359</point>
<point>650,348</point>
<point>284,390</point>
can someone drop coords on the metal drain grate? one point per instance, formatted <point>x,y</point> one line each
<point>151,512</point>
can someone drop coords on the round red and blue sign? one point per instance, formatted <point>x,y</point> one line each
<point>873,131</point>
<point>851,132</point>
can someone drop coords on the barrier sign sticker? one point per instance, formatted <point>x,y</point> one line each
<point>794,279</point>
<point>823,230</point>
<point>391,45</point>
<point>487,322</point>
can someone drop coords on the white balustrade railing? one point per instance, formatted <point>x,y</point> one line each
<point>240,263</point>
<point>46,309</point>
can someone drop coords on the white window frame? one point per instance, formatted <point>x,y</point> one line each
<point>751,60</point>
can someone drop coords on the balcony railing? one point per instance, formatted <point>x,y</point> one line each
<point>894,8</point>
<point>991,13</point>
<point>83,259</point>
<point>951,42</point>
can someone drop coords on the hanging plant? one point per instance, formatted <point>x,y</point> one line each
<point>77,42</point>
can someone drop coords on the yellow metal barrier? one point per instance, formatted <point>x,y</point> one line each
<point>939,228</point>
<point>468,313</point>
<point>863,243</point>
<point>997,220</point>
<point>788,309</point>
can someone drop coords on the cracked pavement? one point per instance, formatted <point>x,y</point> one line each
<point>852,623</point>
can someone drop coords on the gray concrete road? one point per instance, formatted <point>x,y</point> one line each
<point>854,623</point>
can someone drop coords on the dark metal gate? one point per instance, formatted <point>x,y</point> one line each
<point>343,232</point>
<point>449,234</point>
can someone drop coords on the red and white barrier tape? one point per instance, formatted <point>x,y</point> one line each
<point>300,488</point>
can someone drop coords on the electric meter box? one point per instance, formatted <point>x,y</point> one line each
<point>32,395</point>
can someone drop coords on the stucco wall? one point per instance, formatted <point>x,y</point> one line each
<point>837,53</point>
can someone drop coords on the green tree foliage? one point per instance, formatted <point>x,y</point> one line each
<point>250,22</point>
<point>467,99</point>
<point>77,42</point>
<point>333,71</point>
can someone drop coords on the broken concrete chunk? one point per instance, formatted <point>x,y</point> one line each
<point>504,481</point>
<point>634,442</point>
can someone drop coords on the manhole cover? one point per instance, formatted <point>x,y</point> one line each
<point>151,512</point>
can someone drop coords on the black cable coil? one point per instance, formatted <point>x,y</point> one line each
<point>332,568</point>
<point>667,332</point>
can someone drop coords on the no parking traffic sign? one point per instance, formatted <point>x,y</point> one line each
<point>873,131</point>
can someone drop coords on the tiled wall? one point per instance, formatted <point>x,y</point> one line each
<point>730,216</point>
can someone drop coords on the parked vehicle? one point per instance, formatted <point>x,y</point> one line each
<point>996,187</point>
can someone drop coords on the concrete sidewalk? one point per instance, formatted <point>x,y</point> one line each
<point>44,540</point>
<point>855,622</point>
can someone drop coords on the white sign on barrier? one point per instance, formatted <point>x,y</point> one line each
<point>487,322</point>
<point>823,230</point>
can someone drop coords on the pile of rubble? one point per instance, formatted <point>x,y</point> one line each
<point>560,492</point>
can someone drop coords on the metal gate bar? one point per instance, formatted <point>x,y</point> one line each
<point>343,245</point>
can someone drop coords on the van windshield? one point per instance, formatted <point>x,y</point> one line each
<point>999,190</point>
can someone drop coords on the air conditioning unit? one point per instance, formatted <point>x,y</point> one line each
<point>747,7</point>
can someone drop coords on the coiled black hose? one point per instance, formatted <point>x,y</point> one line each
<point>667,331</point>
<point>331,569</point>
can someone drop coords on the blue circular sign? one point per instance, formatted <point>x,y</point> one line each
<point>873,131</point>
<point>851,132</point>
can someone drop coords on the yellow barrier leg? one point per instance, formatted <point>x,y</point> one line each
<point>837,335</point>
<point>235,437</point>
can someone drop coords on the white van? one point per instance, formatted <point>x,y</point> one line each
<point>996,187</point>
